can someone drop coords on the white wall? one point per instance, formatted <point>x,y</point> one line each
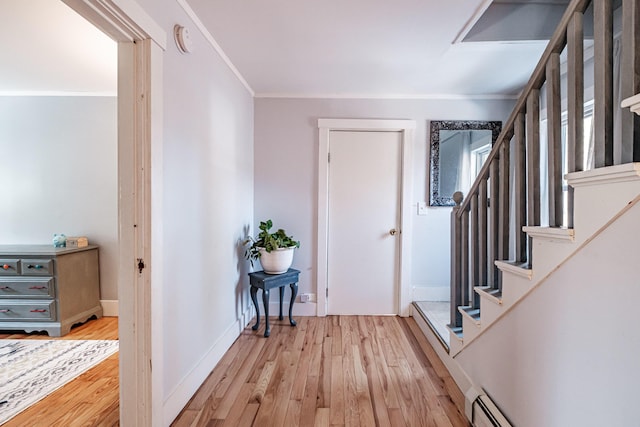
<point>569,355</point>
<point>58,171</point>
<point>208,205</point>
<point>286,159</point>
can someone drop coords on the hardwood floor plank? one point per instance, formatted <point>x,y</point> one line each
<point>248,415</point>
<point>333,371</point>
<point>375,386</point>
<point>351,410</point>
<point>324,381</point>
<point>339,370</point>
<point>396,418</point>
<point>336,334</point>
<point>263,382</point>
<point>289,364</point>
<point>300,382</point>
<point>308,410</point>
<point>388,388</point>
<point>336,403</point>
<point>293,413</point>
<point>236,381</point>
<point>322,417</point>
<point>239,406</point>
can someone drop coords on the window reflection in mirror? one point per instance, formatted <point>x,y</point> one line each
<point>458,152</point>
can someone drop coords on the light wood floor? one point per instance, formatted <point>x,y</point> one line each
<point>338,370</point>
<point>89,400</point>
<point>348,370</point>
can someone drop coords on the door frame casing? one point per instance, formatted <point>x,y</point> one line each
<point>407,128</point>
<point>141,44</point>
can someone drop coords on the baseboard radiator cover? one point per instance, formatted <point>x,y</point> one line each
<point>481,411</point>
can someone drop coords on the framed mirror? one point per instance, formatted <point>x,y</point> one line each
<point>458,149</point>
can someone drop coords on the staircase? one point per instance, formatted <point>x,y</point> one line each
<point>500,251</point>
<point>601,196</point>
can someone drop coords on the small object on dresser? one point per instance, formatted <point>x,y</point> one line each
<point>77,242</point>
<point>59,240</point>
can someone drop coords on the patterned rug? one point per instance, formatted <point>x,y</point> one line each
<point>32,369</point>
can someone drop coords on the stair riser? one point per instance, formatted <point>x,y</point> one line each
<point>548,254</point>
<point>513,288</point>
<point>470,328</point>
<point>489,311</point>
<point>595,205</point>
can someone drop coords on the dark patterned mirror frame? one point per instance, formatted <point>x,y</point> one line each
<point>435,126</point>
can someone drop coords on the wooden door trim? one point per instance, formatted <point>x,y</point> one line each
<point>407,128</point>
<point>140,48</point>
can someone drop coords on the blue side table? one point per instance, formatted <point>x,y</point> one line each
<point>266,282</point>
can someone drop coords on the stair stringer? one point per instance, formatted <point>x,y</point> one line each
<point>556,356</point>
<point>613,188</point>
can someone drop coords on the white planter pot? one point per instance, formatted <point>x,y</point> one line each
<point>276,262</point>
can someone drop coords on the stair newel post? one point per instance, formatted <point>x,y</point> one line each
<point>575,101</point>
<point>533,165</point>
<point>474,249</point>
<point>456,261</point>
<point>520,187</point>
<point>494,222</point>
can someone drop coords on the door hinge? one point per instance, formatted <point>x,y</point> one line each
<point>140,265</point>
<point>328,157</point>
<point>326,292</point>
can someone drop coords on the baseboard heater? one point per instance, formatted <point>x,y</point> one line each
<point>482,412</point>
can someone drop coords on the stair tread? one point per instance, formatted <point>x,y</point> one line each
<point>494,294</point>
<point>555,233</point>
<point>474,313</point>
<point>518,268</point>
<point>519,264</point>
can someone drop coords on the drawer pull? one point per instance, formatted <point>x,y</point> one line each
<point>6,266</point>
<point>4,288</point>
<point>38,287</point>
<point>4,310</point>
<point>38,310</point>
<point>37,266</point>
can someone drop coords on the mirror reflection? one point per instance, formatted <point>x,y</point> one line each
<point>458,151</point>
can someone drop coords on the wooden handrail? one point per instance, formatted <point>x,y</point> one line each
<point>483,222</point>
<point>556,45</point>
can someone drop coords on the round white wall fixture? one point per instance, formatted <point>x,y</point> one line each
<point>183,39</point>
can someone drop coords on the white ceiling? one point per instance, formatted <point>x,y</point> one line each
<point>362,48</point>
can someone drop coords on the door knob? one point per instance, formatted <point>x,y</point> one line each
<point>393,231</point>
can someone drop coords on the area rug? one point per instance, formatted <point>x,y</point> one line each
<point>32,369</point>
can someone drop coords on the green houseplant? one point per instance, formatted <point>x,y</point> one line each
<point>274,250</point>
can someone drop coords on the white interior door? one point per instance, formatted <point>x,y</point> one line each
<point>363,222</point>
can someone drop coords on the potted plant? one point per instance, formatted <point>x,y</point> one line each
<point>274,250</point>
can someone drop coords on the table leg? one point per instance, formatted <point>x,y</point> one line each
<point>281,295</point>
<point>265,302</point>
<point>294,292</point>
<point>254,290</point>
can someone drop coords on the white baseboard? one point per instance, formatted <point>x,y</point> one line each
<point>184,391</point>
<point>299,309</point>
<point>455,370</point>
<point>109,307</point>
<point>431,293</point>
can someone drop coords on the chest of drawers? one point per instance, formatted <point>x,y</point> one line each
<point>43,288</point>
